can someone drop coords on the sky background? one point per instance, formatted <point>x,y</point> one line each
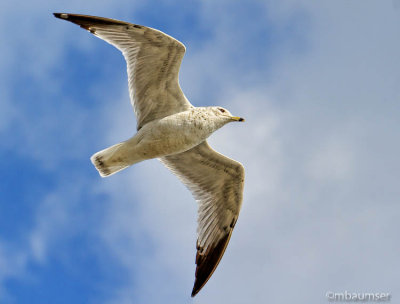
<point>318,83</point>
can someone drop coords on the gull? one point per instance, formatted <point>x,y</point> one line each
<point>172,130</point>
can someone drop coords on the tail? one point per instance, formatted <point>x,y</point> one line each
<point>111,160</point>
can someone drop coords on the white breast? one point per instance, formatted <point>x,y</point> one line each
<point>175,133</point>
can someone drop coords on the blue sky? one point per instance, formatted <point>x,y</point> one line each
<point>318,83</point>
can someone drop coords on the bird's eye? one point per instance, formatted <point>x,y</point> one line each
<point>221,110</point>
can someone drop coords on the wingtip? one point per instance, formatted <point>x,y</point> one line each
<point>195,290</point>
<point>198,285</point>
<point>207,263</point>
<point>61,15</point>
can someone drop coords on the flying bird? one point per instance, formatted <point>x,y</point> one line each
<point>171,129</point>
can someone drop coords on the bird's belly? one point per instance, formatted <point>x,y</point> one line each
<point>166,139</point>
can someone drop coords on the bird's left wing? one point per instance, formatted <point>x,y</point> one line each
<point>216,182</point>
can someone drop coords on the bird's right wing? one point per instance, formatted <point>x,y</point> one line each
<point>153,61</point>
<point>216,182</point>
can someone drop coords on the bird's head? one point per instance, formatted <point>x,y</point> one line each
<point>225,115</point>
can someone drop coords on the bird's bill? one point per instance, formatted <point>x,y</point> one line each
<point>235,118</point>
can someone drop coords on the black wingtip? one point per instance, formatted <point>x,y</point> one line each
<point>86,21</point>
<point>195,290</point>
<point>61,15</point>
<point>208,262</point>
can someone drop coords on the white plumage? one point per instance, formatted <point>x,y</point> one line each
<point>175,132</point>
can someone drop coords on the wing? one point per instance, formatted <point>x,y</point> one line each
<point>153,60</point>
<point>216,182</point>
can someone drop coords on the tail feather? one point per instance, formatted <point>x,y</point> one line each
<point>111,160</point>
